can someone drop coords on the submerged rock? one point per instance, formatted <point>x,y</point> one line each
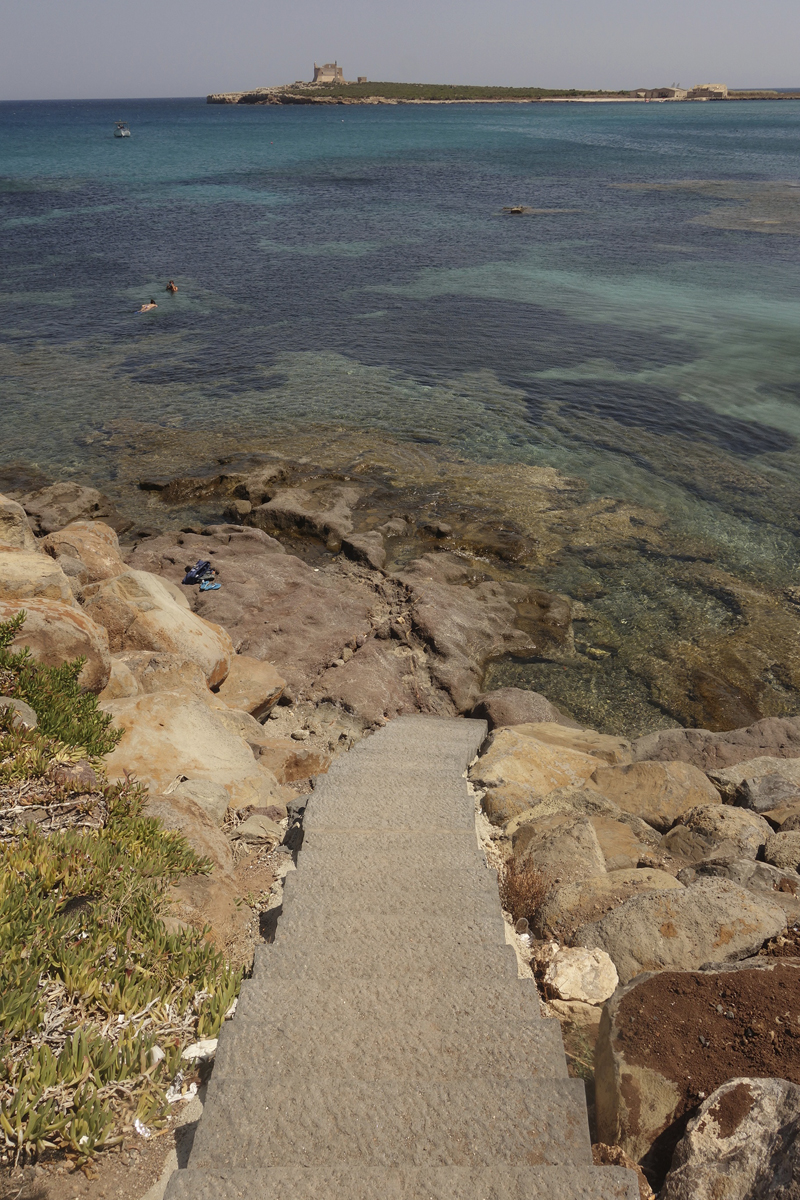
<point>516,706</point>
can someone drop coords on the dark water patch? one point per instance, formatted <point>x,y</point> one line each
<point>661,411</point>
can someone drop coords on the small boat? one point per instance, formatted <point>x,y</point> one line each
<point>121,130</point>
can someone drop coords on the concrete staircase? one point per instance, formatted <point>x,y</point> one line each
<point>385,1048</point>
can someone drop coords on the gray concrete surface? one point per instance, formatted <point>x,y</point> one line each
<point>384,1048</point>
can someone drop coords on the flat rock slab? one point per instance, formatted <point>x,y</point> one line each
<point>385,1033</point>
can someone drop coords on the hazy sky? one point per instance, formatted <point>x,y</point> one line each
<point>97,48</point>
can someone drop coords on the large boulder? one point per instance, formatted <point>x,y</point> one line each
<point>51,508</point>
<point>515,706</point>
<point>517,771</point>
<point>157,671</point>
<point>779,887</point>
<point>711,920</point>
<point>623,838</point>
<point>56,632</point>
<point>668,1040</point>
<point>26,575</point>
<point>140,613</point>
<point>782,850</point>
<point>276,608</point>
<point>747,1134</point>
<point>717,831</point>
<point>252,686</point>
<point>92,543</point>
<point>759,783</point>
<point>563,848</point>
<point>777,737</point>
<point>658,792</point>
<point>169,735</point>
<point>572,905</point>
<point>603,746</point>
<point>15,531</point>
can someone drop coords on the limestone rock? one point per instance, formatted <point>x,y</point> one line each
<point>624,841</point>
<point>717,831</point>
<point>603,746</point>
<point>92,543</point>
<point>580,974</point>
<point>169,734</point>
<point>252,686</point>
<point>211,797</point>
<point>658,792</point>
<point>140,614</point>
<point>366,548</point>
<point>777,737</point>
<point>57,632</point>
<point>53,507</point>
<point>573,905</point>
<point>747,1134</point>
<point>515,706</point>
<point>23,715</point>
<point>712,920</point>
<point>15,531</point>
<point>564,848</point>
<point>26,575</point>
<point>623,838</point>
<point>782,850</point>
<point>759,783</point>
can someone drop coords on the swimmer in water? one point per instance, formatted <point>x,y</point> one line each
<point>147,307</point>
<point>172,286</point>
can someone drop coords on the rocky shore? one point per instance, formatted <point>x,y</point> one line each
<point>650,882</point>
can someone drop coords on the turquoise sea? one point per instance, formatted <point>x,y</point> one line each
<point>352,267</point>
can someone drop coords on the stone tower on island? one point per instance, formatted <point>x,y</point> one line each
<point>329,73</point>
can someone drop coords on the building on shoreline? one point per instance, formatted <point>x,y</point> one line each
<point>709,91</point>
<point>328,73</point>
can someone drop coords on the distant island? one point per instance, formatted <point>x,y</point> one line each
<point>330,87</point>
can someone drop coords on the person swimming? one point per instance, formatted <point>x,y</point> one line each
<point>147,307</point>
<point>172,286</point>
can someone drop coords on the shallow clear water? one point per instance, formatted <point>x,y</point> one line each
<point>352,267</point>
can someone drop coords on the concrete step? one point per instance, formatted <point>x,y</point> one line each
<point>313,927</point>
<point>390,805</point>
<point>397,1045</point>
<point>394,852</point>
<point>443,892</point>
<point>459,955</point>
<point>333,1181</point>
<point>466,998</point>
<point>472,1123</point>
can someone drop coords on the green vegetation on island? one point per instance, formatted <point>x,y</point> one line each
<point>444,91</point>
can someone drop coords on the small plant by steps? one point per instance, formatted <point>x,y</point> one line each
<point>523,889</point>
<point>91,980</point>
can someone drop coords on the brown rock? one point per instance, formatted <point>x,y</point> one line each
<point>53,507</point>
<point>717,831</point>
<point>202,832</point>
<point>27,575</point>
<point>658,792</point>
<point>783,850</point>
<point>15,532</point>
<point>92,543</point>
<point>289,760</point>
<point>563,848</point>
<point>325,513</point>
<point>711,920</point>
<point>366,548</point>
<point>515,706</point>
<point>155,671</point>
<point>512,758</point>
<point>603,746</point>
<point>778,737</point>
<point>252,686</point>
<point>173,734</point>
<point>573,905</point>
<point>57,633</point>
<point>140,613</point>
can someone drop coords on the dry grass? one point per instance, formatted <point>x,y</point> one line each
<point>523,889</point>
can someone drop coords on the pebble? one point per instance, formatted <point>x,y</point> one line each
<point>299,735</point>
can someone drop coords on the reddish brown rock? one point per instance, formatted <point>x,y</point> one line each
<point>776,737</point>
<point>57,633</point>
